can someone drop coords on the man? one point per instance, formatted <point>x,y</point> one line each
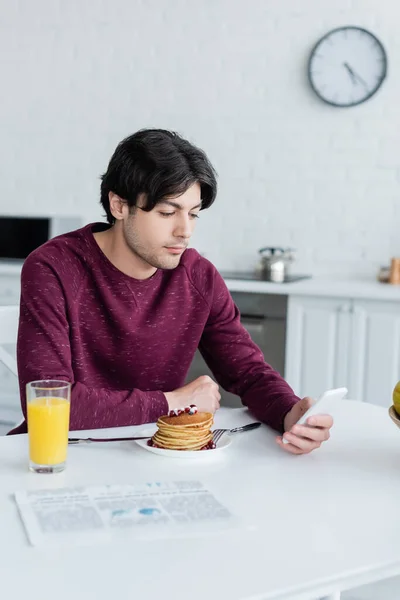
<point>119,309</point>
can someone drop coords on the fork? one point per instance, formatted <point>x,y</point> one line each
<point>218,433</point>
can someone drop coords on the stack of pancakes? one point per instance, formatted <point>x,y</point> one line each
<point>184,432</point>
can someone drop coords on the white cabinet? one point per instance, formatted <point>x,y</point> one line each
<point>317,344</point>
<point>375,351</point>
<point>335,342</point>
<point>10,408</point>
<point>10,288</point>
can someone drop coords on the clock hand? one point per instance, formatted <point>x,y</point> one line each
<point>355,76</point>
<point>361,80</point>
<point>351,72</point>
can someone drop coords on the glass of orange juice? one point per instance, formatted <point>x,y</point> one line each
<point>48,403</point>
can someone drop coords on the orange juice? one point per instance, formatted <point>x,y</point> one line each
<point>48,424</point>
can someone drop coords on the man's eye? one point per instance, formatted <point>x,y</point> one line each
<point>165,214</point>
<point>194,216</point>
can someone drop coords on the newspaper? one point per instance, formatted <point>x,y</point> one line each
<point>82,515</point>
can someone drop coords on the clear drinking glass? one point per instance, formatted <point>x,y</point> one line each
<point>48,404</point>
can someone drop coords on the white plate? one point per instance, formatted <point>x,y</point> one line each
<point>222,444</point>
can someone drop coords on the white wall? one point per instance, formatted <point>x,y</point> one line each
<point>230,75</point>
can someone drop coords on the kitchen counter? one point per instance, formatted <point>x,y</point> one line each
<point>366,288</point>
<point>10,267</point>
<point>329,286</point>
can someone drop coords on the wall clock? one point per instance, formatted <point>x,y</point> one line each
<point>347,66</point>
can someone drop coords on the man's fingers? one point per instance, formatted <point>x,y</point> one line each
<point>305,403</point>
<point>289,447</point>
<point>204,379</point>
<point>317,434</point>
<point>304,444</point>
<point>320,421</point>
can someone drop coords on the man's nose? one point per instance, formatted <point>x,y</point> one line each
<point>184,228</point>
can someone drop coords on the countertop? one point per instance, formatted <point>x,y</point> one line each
<point>329,286</point>
<point>10,267</point>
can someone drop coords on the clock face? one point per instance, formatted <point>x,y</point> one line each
<point>347,66</point>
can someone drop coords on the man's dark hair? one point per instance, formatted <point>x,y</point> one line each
<point>157,163</point>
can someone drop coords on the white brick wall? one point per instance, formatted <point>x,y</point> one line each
<point>230,75</point>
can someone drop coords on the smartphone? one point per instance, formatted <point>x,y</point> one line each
<point>323,405</point>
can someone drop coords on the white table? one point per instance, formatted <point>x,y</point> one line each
<point>326,522</point>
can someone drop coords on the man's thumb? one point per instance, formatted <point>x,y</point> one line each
<point>305,404</point>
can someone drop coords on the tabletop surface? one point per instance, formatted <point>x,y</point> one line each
<point>317,523</point>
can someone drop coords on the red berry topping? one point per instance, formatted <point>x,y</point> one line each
<point>187,409</point>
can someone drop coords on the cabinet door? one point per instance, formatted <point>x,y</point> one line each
<point>10,288</point>
<point>317,344</point>
<point>375,351</point>
<point>264,317</point>
<point>10,405</point>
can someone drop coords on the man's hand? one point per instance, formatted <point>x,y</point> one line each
<point>203,392</point>
<point>304,438</point>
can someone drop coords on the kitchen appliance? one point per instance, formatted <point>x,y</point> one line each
<point>275,263</point>
<point>259,276</point>
<point>20,235</point>
<point>264,317</point>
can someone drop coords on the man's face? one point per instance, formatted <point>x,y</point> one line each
<point>160,237</point>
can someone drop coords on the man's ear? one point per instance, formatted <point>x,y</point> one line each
<point>117,206</point>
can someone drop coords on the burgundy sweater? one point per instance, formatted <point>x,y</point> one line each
<point>123,342</point>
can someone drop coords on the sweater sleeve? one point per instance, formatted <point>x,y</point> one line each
<point>44,352</point>
<point>238,363</point>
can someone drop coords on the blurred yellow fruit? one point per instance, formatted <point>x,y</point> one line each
<point>396,398</point>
